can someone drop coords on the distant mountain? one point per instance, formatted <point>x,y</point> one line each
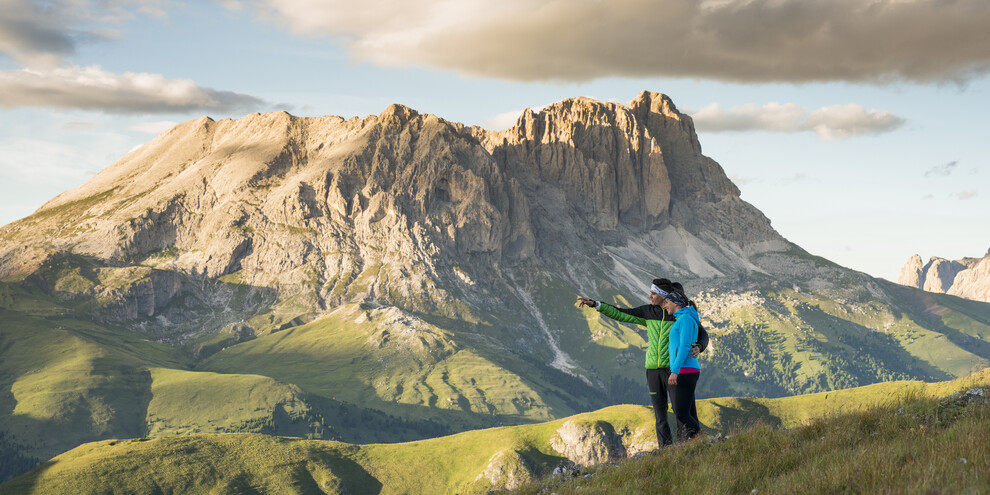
<point>968,277</point>
<point>400,276</point>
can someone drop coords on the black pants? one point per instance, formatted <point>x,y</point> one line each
<point>657,381</point>
<point>685,410</point>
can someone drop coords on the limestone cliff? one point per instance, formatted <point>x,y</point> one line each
<point>412,205</point>
<point>968,277</point>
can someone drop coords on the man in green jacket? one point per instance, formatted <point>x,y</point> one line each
<point>657,323</point>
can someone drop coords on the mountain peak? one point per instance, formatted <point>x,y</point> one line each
<point>284,200</point>
<point>656,103</point>
<point>398,111</point>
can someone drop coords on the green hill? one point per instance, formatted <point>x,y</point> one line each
<point>65,381</point>
<point>377,374</point>
<point>363,356</point>
<point>916,445</point>
<point>794,440</point>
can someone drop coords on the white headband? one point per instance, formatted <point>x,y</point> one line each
<point>658,291</point>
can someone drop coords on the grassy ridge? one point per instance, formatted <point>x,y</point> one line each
<point>832,340</point>
<point>265,464</point>
<point>365,374</point>
<point>829,441</point>
<point>186,402</point>
<point>358,356</point>
<point>913,445</point>
<point>65,381</point>
<point>62,384</point>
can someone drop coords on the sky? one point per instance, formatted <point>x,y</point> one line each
<point>859,127</point>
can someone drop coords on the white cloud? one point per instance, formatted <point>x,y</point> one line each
<point>41,34</point>
<point>773,117</point>
<point>501,121</point>
<point>830,123</point>
<point>732,40</point>
<point>153,127</point>
<point>91,88</point>
<point>504,120</point>
<point>843,121</point>
<point>965,194</point>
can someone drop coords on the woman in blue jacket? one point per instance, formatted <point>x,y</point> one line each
<point>658,323</point>
<point>684,369</point>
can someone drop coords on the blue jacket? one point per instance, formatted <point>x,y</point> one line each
<point>682,334</point>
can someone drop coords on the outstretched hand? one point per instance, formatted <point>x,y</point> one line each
<point>584,301</point>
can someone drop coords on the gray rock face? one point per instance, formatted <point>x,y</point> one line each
<point>973,282</point>
<point>913,273</point>
<point>506,470</point>
<point>588,444</point>
<point>968,277</point>
<point>417,208</point>
<point>940,273</point>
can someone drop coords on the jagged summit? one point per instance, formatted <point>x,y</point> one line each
<point>415,207</point>
<point>202,184</point>
<point>967,277</point>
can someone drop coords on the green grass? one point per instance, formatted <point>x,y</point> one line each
<point>236,278</point>
<point>65,380</point>
<point>246,462</point>
<point>62,386</point>
<point>890,438</point>
<point>186,402</point>
<point>814,344</point>
<point>913,444</point>
<point>356,356</point>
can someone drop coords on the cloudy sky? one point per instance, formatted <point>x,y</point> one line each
<point>859,127</point>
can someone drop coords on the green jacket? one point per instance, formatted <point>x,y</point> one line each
<point>657,323</point>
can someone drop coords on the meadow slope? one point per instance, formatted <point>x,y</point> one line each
<point>807,431</point>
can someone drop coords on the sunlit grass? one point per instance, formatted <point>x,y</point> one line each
<point>884,440</point>
<point>916,445</point>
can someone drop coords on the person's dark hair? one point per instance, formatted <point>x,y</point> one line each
<point>677,287</point>
<point>661,282</point>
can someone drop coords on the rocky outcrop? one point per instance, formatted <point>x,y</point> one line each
<point>414,207</point>
<point>643,439</point>
<point>913,273</point>
<point>973,282</point>
<point>506,470</point>
<point>588,444</point>
<point>968,277</point>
